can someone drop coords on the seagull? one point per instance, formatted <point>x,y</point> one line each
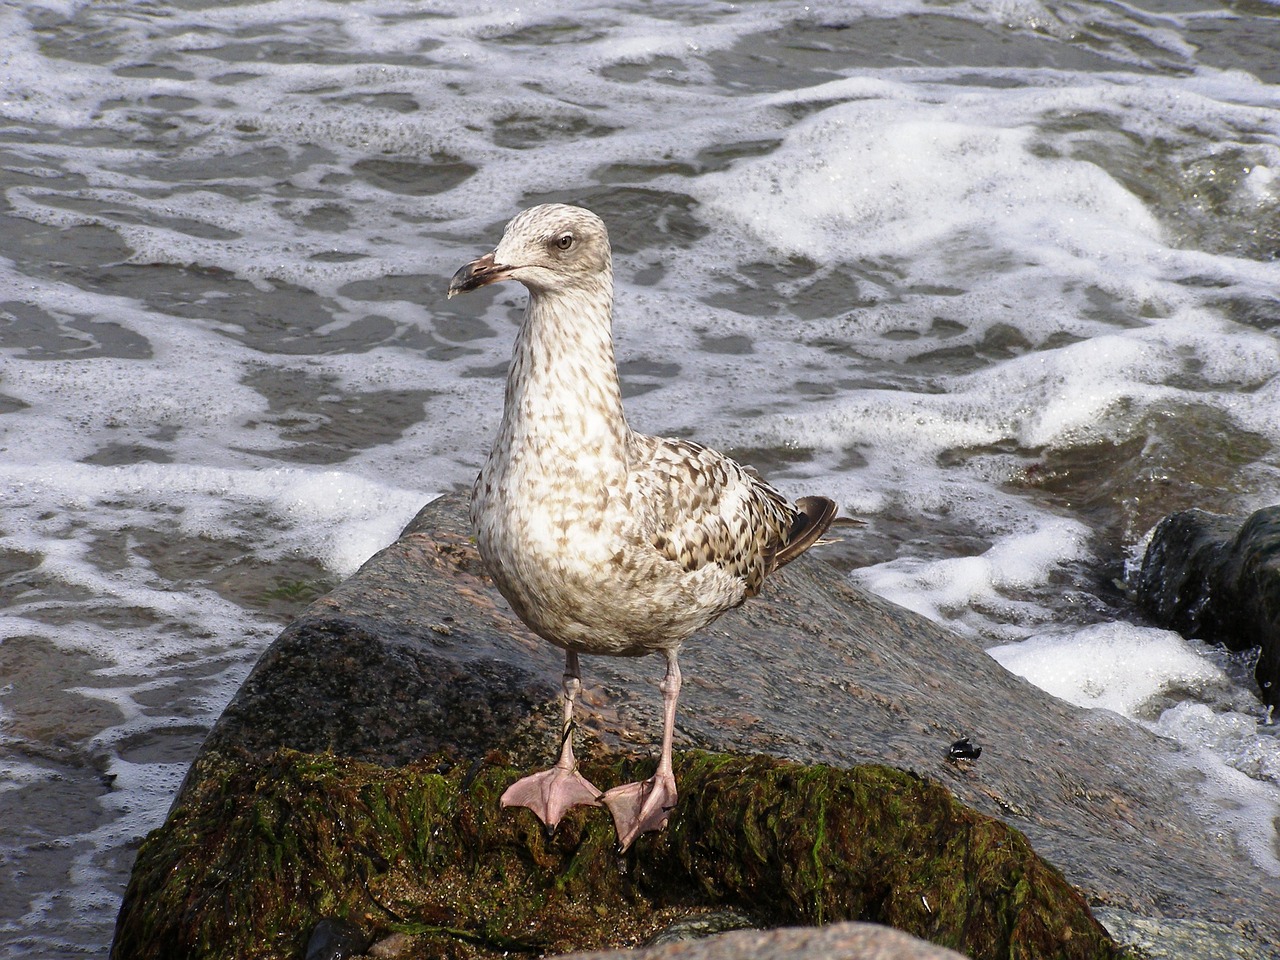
<point>604,540</point>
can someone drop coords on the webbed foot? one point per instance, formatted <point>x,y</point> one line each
<point>640,807</point>
<point>551,793</point>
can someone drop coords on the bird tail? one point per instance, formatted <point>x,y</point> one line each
<point>813,517</point>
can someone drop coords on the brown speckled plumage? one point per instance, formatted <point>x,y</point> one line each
<point>697,507</point>
<point>603,540</point>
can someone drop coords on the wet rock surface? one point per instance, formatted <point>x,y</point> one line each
<point>1217,579</point>
<point>418,655</point>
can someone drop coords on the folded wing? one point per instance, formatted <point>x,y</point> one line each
<point>699,507</point>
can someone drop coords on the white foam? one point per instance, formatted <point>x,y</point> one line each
<point>895,175</point>
<point>948,589</point>
<point>1112,666</point>
<point>1225,734</point>
<point>338,518</point>
<point>347,518</point>
<point>16,774</point>
<point>1129,669</point>
<point>1239,808</point>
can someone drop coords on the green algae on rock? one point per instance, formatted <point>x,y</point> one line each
<point>260,849</point>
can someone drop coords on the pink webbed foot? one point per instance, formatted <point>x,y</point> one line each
<point>640,807</point>
<point>551,793</point>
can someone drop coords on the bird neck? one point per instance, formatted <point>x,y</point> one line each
<point>563,392</point>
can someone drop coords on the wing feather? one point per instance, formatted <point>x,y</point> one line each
<point>698,507</point>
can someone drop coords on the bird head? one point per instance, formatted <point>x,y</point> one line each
<point>550,246</point>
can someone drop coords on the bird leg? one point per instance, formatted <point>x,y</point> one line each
<point>640,807</point>
<point>552,792</point>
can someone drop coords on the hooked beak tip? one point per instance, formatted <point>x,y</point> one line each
<point>478,273</point>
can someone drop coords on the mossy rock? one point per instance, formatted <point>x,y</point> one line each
<point>261,849</point>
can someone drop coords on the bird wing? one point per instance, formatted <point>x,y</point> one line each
<point>698,507</point>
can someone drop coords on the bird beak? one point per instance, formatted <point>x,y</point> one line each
<point>478,273</point>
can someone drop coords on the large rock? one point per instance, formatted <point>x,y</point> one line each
<point>266,848</point>
<point>1217,579</point>
<point>417,656</point>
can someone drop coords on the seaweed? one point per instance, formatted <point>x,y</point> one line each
<point>259,850</point>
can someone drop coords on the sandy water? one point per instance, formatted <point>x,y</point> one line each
<point>1000,277</point>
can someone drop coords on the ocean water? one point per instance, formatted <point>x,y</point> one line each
<point>999,275</point>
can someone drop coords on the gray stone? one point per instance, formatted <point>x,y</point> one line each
<point>839,941</point>
<point>418,652</point>
<point>1167,938</point>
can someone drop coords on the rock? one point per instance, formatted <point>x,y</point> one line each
<point>395,945</point>
<point>1146,938</point>
<point>1217,579</point>
<point>258,846</point>
<point>417,656</point>
<point>701,925</point>
<point>335,939</point>
<point>840,941</point>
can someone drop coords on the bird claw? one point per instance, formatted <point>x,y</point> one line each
<point>551,793</point>
<point>640,807</point>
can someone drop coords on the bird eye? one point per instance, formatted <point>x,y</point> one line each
<point>564,241</point>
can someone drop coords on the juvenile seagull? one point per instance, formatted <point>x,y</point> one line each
<point>603,540</point>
